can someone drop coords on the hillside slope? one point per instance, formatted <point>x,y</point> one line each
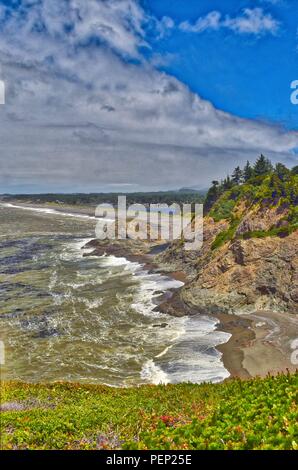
<point>254,414</point>
<point>249,258</point>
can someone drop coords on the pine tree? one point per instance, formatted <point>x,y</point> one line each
<point>262,166</point>
<point>282,171</point>
<point>247,171</point>
<point>237,175</point>
<point>212,195</point>
<point>227,184</point>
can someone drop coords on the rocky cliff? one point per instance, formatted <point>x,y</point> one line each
<point>249,258</point>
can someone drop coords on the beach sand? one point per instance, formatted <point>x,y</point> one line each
<point>270,351</point>
<point>260,343</point>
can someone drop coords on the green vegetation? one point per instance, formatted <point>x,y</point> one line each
<point>183,196</point>
<point>254,414</point>
<point>274,232</point>
<point>257,187</point>
<point>225,235</point>
<point>261,183</point>
<point>224,208</point>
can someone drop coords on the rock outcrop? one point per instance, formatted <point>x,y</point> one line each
<point>242,275</point>
<point>248,275</point>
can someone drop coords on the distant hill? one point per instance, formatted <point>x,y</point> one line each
<point>192,190</point>
<point>186,196</point>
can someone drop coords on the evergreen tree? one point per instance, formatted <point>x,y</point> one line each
<point>212,195</point>
<point>237,175</point>
<point>282,171</point>
<point>227,184</point>
<point>262,166</point>
<point>247,171</point>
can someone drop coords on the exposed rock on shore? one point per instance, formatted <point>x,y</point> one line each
<point>248,275</point>
<point>249,257</point>
<point>242,275</point>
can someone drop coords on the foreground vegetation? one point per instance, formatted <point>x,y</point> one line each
<point>254,414</point>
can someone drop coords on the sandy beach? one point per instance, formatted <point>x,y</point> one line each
<point>260,343</point>
<point>270,351</point>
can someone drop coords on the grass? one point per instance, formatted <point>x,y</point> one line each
<point>225,235</point>
<point>224,208</point>
<point>254,414</point>
<point>274,232</point>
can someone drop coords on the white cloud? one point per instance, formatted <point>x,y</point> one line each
<point>210,21</point>
<point>163,26</point>
<point>83,117</point>
<point>117,23</point>
<point>251,21</point>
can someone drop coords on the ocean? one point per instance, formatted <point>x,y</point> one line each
<point>66,316</point>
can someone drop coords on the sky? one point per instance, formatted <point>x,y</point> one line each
<point>136,95</point>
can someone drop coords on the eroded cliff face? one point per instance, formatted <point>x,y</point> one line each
<point>242,275</point>
<point>177,258</point>
<point>248,275</point>
<point>262,218</point>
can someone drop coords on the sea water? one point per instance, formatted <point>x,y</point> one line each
<point>67,316</point>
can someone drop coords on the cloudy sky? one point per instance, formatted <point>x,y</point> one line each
<point>122,95</point>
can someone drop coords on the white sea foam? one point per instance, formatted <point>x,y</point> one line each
<point>193,356</point>
<point>45,210</point>
<point>80,245</point>
<point>164,351</point>
<point>151,285</point>
<point>53,280</point>
<point>111,260</point>
<point>185,346</point>
<point>77,285</point>
<point>90,304</point>
<point>152,373</point>
<point>190,354</point>
<point>75,250</point>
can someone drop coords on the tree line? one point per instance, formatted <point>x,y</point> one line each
<point>253,174</point>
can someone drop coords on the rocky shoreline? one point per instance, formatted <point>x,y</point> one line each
<point>261,337</point>
<point>248,352</point>
<point>242,280</point>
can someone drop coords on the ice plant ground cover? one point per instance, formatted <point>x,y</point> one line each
<point>235,414</point>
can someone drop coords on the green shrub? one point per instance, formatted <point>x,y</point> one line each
<point>235,414</point>
<point>225,235</point>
